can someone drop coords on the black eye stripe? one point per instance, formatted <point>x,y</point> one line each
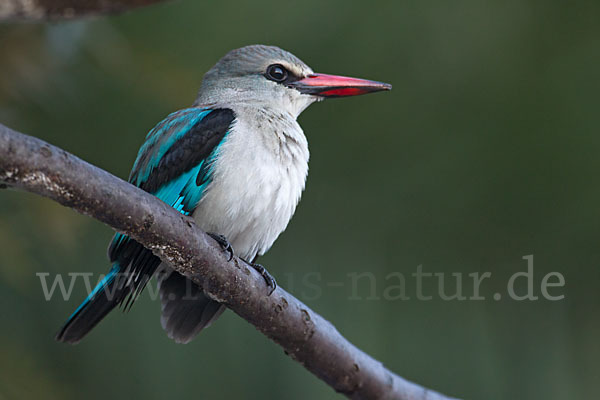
<point>280,74</point>
<point>277,72</point>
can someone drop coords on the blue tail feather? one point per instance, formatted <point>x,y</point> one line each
<point>107,280</point>
<point>91,310</point>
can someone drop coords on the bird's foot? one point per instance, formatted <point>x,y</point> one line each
<point>223,242</point>
<point>266,276</point>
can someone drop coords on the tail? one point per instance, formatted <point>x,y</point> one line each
<point>100,302</point>
<point>186,310</point>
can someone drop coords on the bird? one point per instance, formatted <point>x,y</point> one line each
<point>236,161</point>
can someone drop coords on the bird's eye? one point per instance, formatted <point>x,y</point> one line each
<point>277,73</point>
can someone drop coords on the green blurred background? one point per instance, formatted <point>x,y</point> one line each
<point>485,151</point>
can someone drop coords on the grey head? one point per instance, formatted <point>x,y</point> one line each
<point>269,77</point>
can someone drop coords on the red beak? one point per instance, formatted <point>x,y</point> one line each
<point>337,86</point>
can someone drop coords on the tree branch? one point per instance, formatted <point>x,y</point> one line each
<point>30,164</point>
<point>65,9</point>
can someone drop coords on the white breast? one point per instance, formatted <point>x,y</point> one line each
<point>257,181</point>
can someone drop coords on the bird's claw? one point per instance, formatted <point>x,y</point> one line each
<point>223,242</point>
<point>266,275</point>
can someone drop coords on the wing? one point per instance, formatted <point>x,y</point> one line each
<point>175,164</point>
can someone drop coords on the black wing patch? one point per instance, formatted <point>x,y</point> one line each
<point>192,150</point>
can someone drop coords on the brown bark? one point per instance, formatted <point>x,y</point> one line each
<point>29,164</point>
<point>36,10</point>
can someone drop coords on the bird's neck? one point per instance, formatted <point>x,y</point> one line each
<point>257,181</point>
<point>276,130</point>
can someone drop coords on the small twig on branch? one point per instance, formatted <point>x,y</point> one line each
<point>41,10</point>
<point>32,165</point>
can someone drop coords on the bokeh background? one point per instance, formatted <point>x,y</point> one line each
<point>485,151</point>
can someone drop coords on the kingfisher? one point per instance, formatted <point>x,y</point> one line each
<point>236,161</point>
